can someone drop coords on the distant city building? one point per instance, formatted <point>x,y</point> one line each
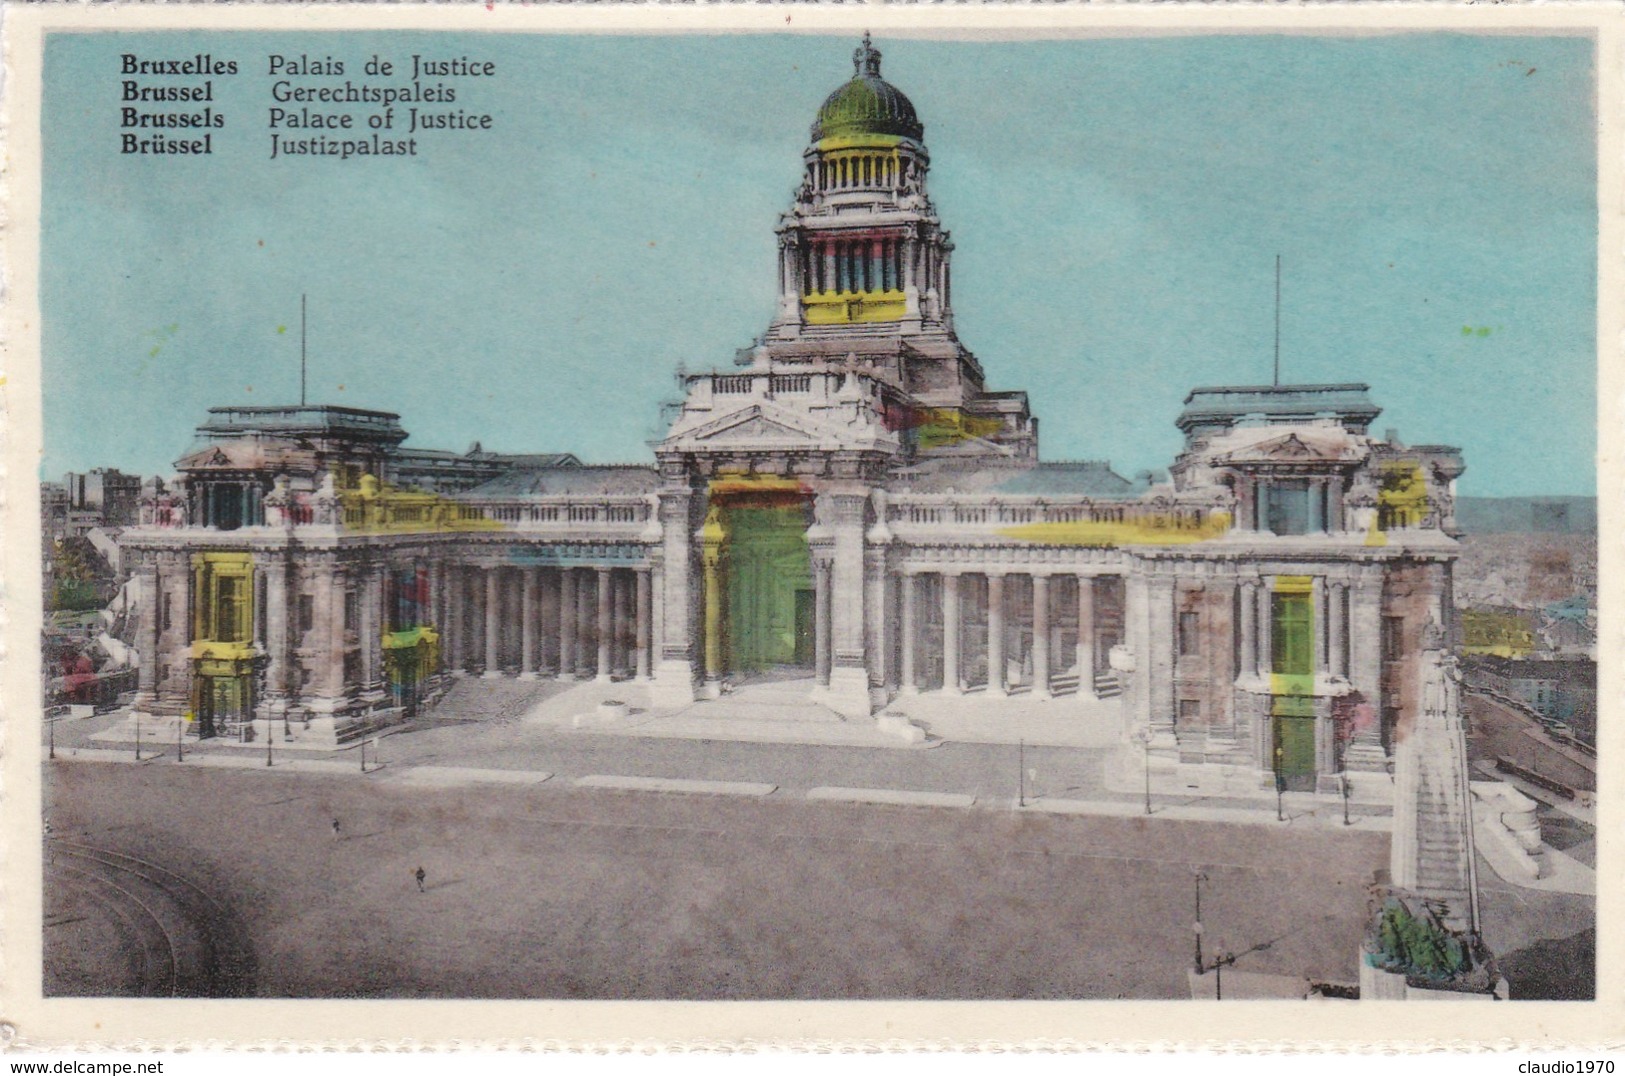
<point>1531,515</point>
<point>849,500</point>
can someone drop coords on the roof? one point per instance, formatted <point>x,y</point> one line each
<point>303,419</point>
<point>1074,478</point>
<point>1225,405</point>
<point>566,481</point>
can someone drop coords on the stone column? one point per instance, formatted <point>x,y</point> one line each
<point>950,634</point>
<point>606,625</point>
<point>547,631</point>
<point>848,691</point>
<point>149,634</point>
<point>1336,625</point>
<point>995,636</point>
<point>277,669</point>
<point>338,636</point>
<point>642,623</point>
<point>567,624</point>
<point>1320,634</point>
<point>1365,638</point>
<point>455,642</point>
<point>1266,621</point>
<point>1041,637</point>
<point>431,612</point>
<point>657,614</point>
<point>586,621</point>
<point>1159,662</point>
<point>880,626</point>
<point>674,674</point>
<point>493,623</point>
<point>1086,637</point>
<point>821,623</point>
<point>712,581</point>
<point>527,625</point>
<point>1248,628</point>
<point>910,685</point>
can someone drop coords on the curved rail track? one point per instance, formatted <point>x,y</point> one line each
<point>192,945</point>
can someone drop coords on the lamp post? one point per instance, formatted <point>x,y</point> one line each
<point>268,738</point>
<point>50,728</point>
<point>1196,926</point>
<point>138,735</point>
<point>1346,792</point>
<point>1143,738</point>
<point>1280,786</point>
<point>1021,778</point>
<point>180,735</point>
<point>1219,961</point>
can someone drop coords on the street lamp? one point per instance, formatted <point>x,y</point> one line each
<point>180,734</point>
<point>1280,785</point>
<point>1143,738</point>
<point>1219,961</point>
<point>1021,778</point>
<point>1196,926</point>
<point>50,726</point>
<point>1346,793</point>
<point>268,738</point>
<point>138,735</point>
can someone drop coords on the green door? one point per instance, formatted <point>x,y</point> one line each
<point>1295,742</point>
<point>1292,680</point>
<point>768,567</point>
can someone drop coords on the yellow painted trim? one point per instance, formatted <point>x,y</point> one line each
<point>848,307</point>
<point>1149,530</point>
<point>1294,584</point>
<point>866,141</point>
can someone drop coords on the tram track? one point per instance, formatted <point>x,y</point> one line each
<point>209,955</point>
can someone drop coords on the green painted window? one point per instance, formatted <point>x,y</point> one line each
<point>1292,635</point>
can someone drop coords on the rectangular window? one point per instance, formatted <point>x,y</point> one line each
<point>1393,638</point>
<point>1190,712</point>
<point>1287,506</point>
<point>231,607</point>
<point>169,605</point>
<point>1190,626</point>
<point>307,613</point>
<point>352,611</point>
<point>1292,634</point>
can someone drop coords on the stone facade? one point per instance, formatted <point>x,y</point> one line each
<point>849,500</point>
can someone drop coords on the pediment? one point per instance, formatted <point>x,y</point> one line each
<point>754,428</point>
<point>758,424</point>
<point>1293,448</point>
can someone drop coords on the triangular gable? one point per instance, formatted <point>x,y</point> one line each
<point>759,424</point>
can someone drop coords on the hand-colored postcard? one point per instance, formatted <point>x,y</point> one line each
<point>949,526</point>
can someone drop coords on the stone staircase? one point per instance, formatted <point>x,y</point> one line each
<point>1107,685</point>
<point>471,699</point>
<point>786,700</point>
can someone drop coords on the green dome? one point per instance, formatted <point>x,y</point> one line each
<point>868,105</point>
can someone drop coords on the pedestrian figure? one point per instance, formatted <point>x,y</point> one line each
<point>335,829</point>
<point>421,874</point>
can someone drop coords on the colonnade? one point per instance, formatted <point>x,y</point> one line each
<point>976,623</point>
<point>568,622</point>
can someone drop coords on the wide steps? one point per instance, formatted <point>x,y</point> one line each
<point>478,699</point>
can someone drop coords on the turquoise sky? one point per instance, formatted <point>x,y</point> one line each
<point>1116,205</point>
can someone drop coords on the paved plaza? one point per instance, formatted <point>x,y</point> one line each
<point>798,871</point>
<point>585,893</point>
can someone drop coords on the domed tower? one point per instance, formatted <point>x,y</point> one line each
<point>864,270</point>
<point>861,245</point>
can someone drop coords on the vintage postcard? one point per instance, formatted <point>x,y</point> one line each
<point>822,524</point>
